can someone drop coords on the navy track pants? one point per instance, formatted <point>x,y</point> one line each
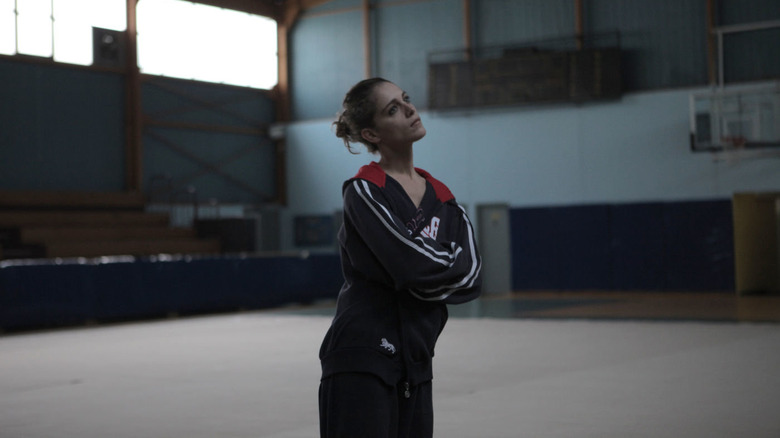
<point>358,405</point>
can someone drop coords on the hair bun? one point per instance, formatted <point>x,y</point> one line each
<point>357,113</point>
<point>342,128</point>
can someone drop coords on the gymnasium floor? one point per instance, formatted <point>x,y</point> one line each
<point>523,365</point>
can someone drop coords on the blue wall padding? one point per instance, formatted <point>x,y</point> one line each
<point>665,246</point>
<point>49,295</point>
<point>681,246</point>
<point>637,247</point>
<point>560,247</point>
<point>700,245</point>
<point>45,295</point>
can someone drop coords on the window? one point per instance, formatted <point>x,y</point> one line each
<point>57,29</point>
<point>34,27</point>
<point>73,23</point>
<point>7,27</point>
<point>194,41</point>
<point>176,38</point>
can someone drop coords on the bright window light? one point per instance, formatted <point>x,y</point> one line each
<point>33,27</point>
<point>7,27</point>
<point>58,29</point>
<point>206,43</point>
<point>203,42</point>
<point>73,23</point>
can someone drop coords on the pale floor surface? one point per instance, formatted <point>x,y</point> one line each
<point>256,375</point>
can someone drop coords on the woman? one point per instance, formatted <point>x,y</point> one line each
<point>407,250</point>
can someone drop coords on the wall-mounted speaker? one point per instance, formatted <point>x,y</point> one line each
<point>108,47</point>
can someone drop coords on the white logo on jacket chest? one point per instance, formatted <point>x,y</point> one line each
<point>432,229</point>
<point>387,346</point>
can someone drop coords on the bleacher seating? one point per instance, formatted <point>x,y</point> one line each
<point>45,224</point>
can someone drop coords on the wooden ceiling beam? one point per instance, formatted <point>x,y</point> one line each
<point>277,9</point>
<point>267,8</point>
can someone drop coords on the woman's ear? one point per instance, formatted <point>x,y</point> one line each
<point>369,135</point>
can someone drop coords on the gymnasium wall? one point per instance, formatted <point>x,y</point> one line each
<point>638,209</point>
<point>611,185</point>
<point>663,42</point>
<point>61,128</point>
<point>210,138</point>
<point>627,161</point>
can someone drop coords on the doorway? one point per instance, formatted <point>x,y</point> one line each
<point>494,244</point>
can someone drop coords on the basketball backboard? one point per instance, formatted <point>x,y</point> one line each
<point>731,119</point>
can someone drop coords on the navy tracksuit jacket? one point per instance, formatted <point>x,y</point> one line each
<point>402,265</point>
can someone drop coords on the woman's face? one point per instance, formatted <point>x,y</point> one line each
<point>396,120</point>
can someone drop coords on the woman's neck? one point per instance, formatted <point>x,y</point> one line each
<point>396,162</point>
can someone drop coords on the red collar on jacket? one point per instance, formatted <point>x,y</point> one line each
<point>374,173</point>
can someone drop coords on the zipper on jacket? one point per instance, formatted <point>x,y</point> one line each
<point>407,393</point>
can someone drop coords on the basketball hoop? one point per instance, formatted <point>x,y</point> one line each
<point>735,119</point>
